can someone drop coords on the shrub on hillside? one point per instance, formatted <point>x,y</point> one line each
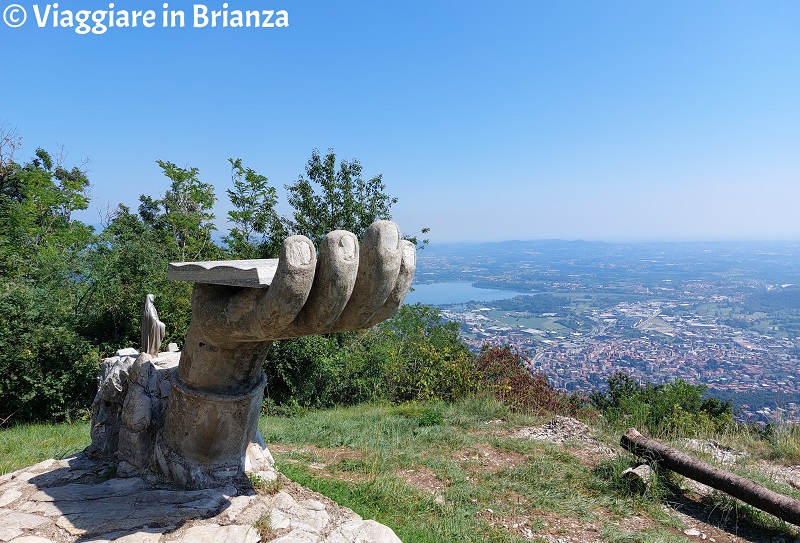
<point>672,408</point>
<point>425,359</point>
<point>416,355</point>
<point>504,374</point>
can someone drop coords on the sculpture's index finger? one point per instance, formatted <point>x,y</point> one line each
<point>290,287</point>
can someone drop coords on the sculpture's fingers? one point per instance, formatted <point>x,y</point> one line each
<point>290,287</point>
<point>378,268</point>
<point>404,278</point>
<point>337,268</point>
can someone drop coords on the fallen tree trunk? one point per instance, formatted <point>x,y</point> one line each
<point>781,506</point>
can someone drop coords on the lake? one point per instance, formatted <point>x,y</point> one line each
<point>456,292</point>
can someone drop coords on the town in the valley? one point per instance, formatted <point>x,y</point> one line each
<point>731,331</point>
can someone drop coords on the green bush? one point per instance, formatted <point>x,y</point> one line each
<point>426,360</point>
<point>414,356</point>
<point>672,408</point>
<point>310,372</point>
<point>47,371</point>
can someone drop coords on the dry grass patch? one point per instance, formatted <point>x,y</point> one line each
<point>554,527</point>
<point>484,458</point>
<point>519,525</point>
<point>424,478</point>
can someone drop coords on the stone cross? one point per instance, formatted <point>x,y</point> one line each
<point>239,307</point>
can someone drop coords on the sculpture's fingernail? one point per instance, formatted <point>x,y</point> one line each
<point>409,253</point>
<point>389,235</point>
<point>299,253</point>
<point>347,247</point>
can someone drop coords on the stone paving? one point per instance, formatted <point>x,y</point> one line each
<point>80,500</point>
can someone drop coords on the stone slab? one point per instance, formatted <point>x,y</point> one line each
<point>257,273</point>
<point>31,539</point>
<point>150,535</point>
<point>362,530</point>
<point>12,523</point>
<point>9,496</point>
<point>212,533</point>
<point>49,506</point>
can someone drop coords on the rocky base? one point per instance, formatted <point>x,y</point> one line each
<point>128,418</point>
<point>79,499</point>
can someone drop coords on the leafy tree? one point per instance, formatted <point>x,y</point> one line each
<point>131,258</point>
<point>46,368</point>
<point>10,141</point>
<point>129,261</point>
<point>258,231</point>
<point>328,199</point>
<point>183,217</point>
<point>40,241</point>
<point>621,387</point>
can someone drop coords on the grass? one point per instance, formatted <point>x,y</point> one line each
<point>27,444</point>
<point>264,526</point>
<point>440,472</point>
<point>264,486</point>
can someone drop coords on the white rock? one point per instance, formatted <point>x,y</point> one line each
<point>9,496</point>
<point>149,535</point>
<point>213,533</point>
<point>362,531</point>
<point>314,505</point>
<point>129,351</point>
<point>136,410</point>
<point>298,536</point>
<point>31,539</point>
<point>12,523</point>
<point>237,505</point>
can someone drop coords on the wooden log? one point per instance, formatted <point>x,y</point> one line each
<point>748,491</point>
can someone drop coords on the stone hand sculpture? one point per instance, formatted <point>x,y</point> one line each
<point>152,329</point>
<point>216,397</point>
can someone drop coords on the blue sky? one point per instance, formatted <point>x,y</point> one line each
<point>617,120</point>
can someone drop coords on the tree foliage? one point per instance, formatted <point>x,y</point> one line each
<point>671,408</point>
<point>258,231</point>
<point>69,297</point>
<point>130,260</point>
<point>182,218</point>
<point>46,368</point>
<point>328,199</point>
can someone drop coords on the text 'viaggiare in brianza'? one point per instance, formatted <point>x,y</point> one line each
<point>100,21</point>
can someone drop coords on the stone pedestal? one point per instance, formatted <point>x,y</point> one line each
<point>128,415</point>
<point>210,443</point>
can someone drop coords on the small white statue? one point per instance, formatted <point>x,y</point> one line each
<point>152,328</point>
